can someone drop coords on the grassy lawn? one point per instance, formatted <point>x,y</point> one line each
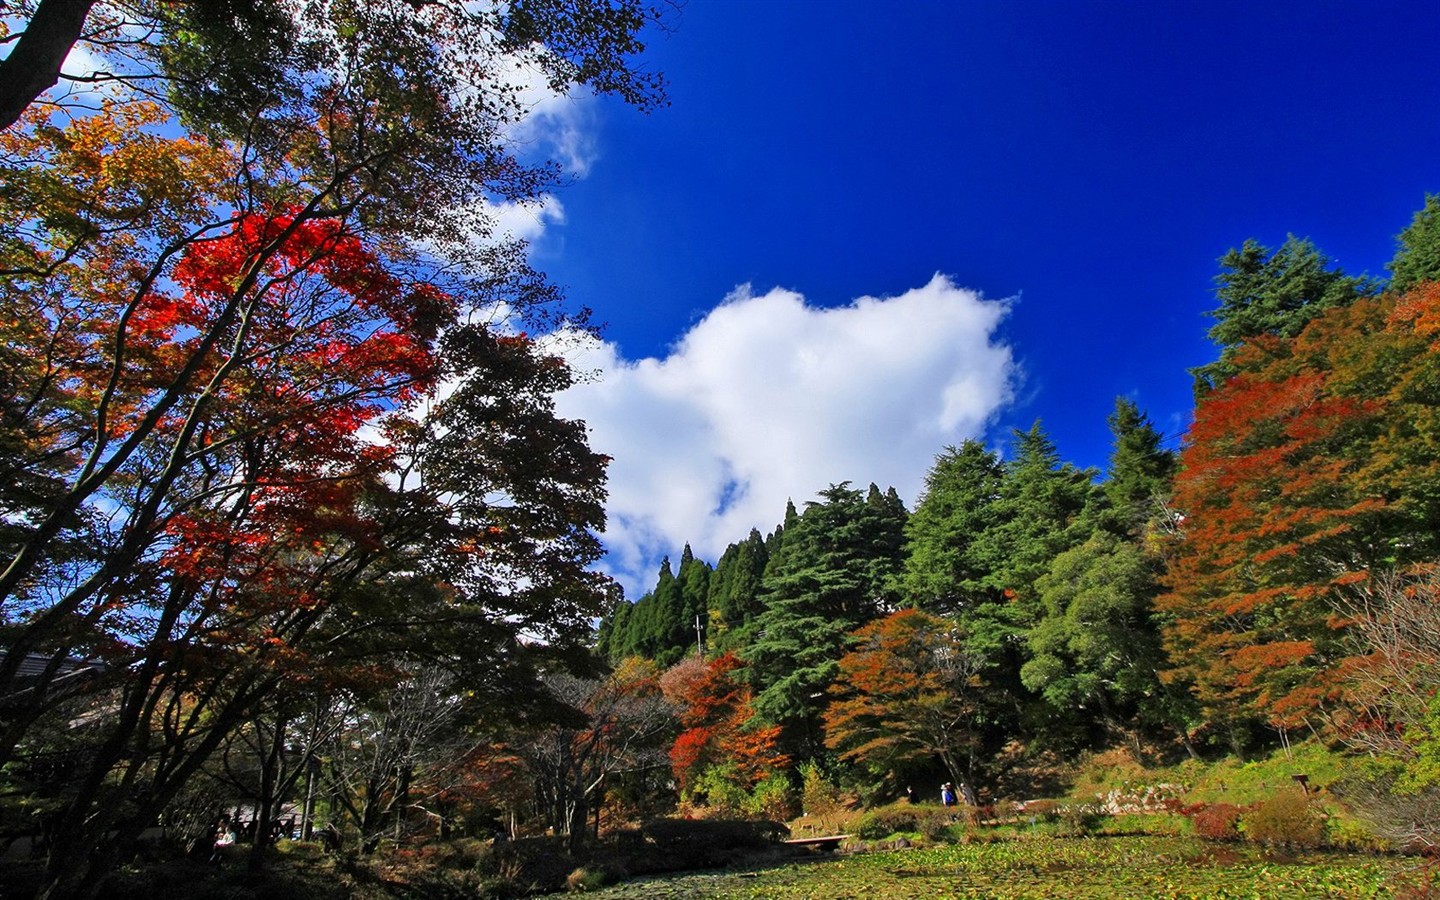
<point>1130,867</point>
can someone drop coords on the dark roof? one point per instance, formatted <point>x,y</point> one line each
<point>34,664</point>
<point>30,685</point>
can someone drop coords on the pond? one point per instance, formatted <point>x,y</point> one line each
<point>1097,867</point>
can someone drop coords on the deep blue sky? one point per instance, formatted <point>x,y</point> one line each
<point>1093,158</point>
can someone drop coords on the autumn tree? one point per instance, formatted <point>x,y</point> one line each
<point>908,690</point>
<point>715,713</point>
<point>219,354</point>
<point>1302,474</point>
<point>217,61</point>
<point>372,764</point>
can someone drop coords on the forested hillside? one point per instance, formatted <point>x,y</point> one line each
<point>1200,599</point>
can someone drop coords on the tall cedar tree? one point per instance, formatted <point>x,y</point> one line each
<point>941,572</point>
<point>1417,259</point>
<point>1271,293</point>
<point>830,576</point>
<point>1140,474</point>
<point>734,598</point>
<point>1308,470</point>
<point>665,624</point>
<point>694,578</point>
<point>1035,516</point>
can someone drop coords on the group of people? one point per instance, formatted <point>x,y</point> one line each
<point>948,796</point>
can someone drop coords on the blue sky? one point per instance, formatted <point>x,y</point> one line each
<point>1070,170</point>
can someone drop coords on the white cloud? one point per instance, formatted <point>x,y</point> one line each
<point>526,221</point>
<point>560,127</point>
<point>768,399</point>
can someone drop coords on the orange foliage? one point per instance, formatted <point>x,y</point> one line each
<point>907,690</point>
<point>714,710</point>
<point>1307,470</point>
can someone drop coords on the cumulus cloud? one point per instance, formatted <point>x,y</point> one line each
<point>767,399</point>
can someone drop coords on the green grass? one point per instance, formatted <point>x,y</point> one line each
<point>1131,867</point>
<point>1227,780</point>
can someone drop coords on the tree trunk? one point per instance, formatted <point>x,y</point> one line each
<point>33,65</point>
<point>267,809</point>
<point>307,814</point>
<point>579,813</point>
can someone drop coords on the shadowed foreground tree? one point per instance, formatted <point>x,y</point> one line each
<point>216,61</point>
<point>222,444</point>
<point>616,725</point>
<point>1392,716</point>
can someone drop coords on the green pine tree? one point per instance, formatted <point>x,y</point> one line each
<point>1275,293</point>
<point>1140,473</point>
<point>941,573</point>
<point>1418,257</point>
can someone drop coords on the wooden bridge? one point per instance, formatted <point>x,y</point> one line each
<point>818,844</point>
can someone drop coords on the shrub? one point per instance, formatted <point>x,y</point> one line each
<point>583,879</point>
<point>1216,821</point>
<point>1080,818</point>
<point>717,789</point>
<point>1285,819</point>
<point>676,844</point>
<point>1347,833</point>
<point>940,824</point>
<point>773,798</point>
<point>818,796</point>
<point>1127,824</point>
<point>1042,810</point>
<point>1110,770</point>
<point>887,820</point>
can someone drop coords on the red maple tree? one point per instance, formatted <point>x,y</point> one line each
<point>715,713</point>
